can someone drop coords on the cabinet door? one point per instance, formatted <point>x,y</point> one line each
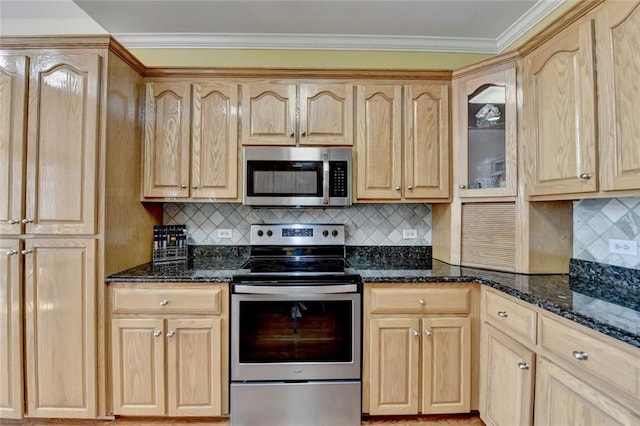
<point>268,114</point>
<point>426,150</point>
<point>326,114</point>
<point>13,92</point>
<point>488,135</point>
<point>11,388</point>
<point>137,348</point>
<point>166,140</point>
<point>194,381</point>
<point>395,367</point>
<point>214,148</point>
<point>618,54</point>
<point>60,298</point>
<point>64,131</point>
<point>446,365</point>
<point>378,142</point>
<point>563,399</point>
<point>506,385</point>
<point>559,111</point>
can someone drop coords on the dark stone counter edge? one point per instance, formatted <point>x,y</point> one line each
<point>608,330</point>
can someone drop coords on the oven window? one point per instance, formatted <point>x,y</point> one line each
<point>306,331</point>
<point>284,178</point>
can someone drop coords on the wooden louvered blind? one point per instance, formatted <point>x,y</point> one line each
<point>489,235</point>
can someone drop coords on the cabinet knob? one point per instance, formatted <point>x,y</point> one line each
<point>27,220</point>
<point>164,302</point>
<point>157,333</point>
<point>409,186</point>
<point>462,186</point>
<point>422,302</point>
<point>428,332</point>
<point>415,332</point>
<point>585,176</point>
<point>12,252</point>
<point>291,134</point>
<point>14,221</point>
<point>523,366</point>
<point>183,186</point>
<point>304,134</point>
<point>171,334</point>
<point>27,251</point>
<point>398,188</point>
<point>194,187</point>
<point>503,314</point>
<point>580,356</point>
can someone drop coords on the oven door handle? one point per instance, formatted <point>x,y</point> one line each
<point>325,178</point>
<point>289,290</point>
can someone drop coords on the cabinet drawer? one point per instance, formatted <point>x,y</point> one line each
<point>591,355</point>
<point>206,300</point>
<point>420,300</point>
<point>508,315</point>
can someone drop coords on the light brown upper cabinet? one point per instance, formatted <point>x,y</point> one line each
<point>297,114</point>
<point>618,59</point>
<point>560,113</point>
<point>191,159</point>
<point>402,157</point>
<point>488,133</point>
<point>57,193</point>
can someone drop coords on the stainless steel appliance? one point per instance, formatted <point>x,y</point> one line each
<point>297,176</point>
<point>296,330</point>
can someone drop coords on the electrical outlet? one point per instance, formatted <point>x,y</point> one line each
<point>225,233</point>
<point>627,247</point>
<point>409,234</point>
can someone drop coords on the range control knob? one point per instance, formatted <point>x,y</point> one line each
<point>269,233</point>
<point>325,233</point>
<point>260,233</point>
<point>334,233</point>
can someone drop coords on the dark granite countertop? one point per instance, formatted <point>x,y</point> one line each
<point>610,305</point>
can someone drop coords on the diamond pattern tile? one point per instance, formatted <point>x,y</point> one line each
<point>366,224</point>
<point>595,222</point>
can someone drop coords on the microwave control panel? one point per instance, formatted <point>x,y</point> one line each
<point>338,180</point>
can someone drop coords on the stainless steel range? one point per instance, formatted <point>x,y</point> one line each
<point>296,330</point>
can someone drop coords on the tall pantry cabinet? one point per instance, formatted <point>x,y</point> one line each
<point>69,215</point>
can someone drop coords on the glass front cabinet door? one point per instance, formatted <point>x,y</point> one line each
<point>488,134</point>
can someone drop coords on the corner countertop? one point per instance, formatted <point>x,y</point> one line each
<point>614,311</point>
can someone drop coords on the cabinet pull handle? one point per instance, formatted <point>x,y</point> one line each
<point>27,251</point>
<point>164,302</point>
<point>157,333</point>
<point>580,356</point>
<point>462,186</point>
<point>585,176</point>
<point>12,252</point>
<point>502,314</point>
<point>422,302</point>
<point>171,334</point>
<point>428,332</point>
<point>14,222</point>
<point>27,221</point>
<point>415,332</point>
<point>523,366</point>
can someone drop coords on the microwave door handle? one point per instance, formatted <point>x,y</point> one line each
<point>325,178</point>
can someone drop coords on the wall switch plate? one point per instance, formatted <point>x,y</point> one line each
<point>225,233</point>
<point>409,234</point>
<point>627,247</point>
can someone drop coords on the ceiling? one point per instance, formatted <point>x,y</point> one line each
<point>486,26</point>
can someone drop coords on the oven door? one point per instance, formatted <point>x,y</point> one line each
<point>295,334</point>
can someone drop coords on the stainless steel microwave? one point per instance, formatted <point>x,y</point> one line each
<point>297,176</point>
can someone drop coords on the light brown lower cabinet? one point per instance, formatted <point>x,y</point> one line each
<point>507,380</point>
<point>563,399</point>
<point>170,363</point>
<point>420,365</point>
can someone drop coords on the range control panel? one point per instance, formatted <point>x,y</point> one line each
<point>297,234</point>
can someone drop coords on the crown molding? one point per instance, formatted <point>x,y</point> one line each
<point>527,21</point>
<point>305,42</point>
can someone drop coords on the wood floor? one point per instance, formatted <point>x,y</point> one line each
<point>452,420</point>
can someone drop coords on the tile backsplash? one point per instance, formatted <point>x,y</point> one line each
<point>365,224</point>
<point>597,221</point>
